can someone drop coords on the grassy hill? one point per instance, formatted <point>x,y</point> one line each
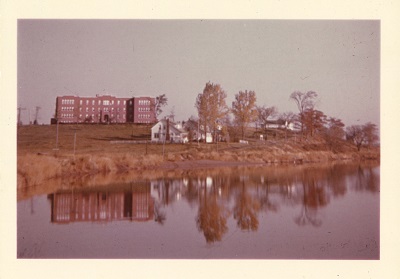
<point>89,138</point>
<point>111,149</point>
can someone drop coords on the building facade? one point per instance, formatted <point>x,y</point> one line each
<point>141,110</point>
<point>67,207</point>
<point>104,109</point>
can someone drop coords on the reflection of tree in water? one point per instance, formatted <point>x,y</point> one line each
<point>307,216</point>
<point>245,210</point>
<point>211,217</point>
<point>336,179</point>
<point>263,193</point>
<point>314,197</point>
<point>367,180</point>
<point>167,191</point>
<point>192,193</point>
<point>159,214</point>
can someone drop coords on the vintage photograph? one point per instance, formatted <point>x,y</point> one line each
<point>198,139</point>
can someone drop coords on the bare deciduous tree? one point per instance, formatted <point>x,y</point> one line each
<point>160,102</point>
<point>355,134</point>
<point>244,110</point>
<point>371,133</point>
<point>304,101</point>
<point>362,134</point>
<point>172,114</point>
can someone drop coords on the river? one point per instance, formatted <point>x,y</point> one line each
<point>273,212</point>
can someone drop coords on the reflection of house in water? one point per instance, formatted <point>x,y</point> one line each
<point>168,190</point>
<point>135,205</point>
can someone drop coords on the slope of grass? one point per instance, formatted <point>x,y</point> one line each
<point>95,152</point>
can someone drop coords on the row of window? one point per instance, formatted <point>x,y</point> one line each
<point>144,102</point>
<point>67,101</point>
<point>67,115</point>
<point>144,109</point>
<point>71,115</point>
<point>67,108</point>
<point>104,102</point>
<point>93,109</point>
<point>98,109</point>
<point>97,116</point>
<point>144,115</point>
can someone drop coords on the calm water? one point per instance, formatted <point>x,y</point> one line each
<point>296,212</point>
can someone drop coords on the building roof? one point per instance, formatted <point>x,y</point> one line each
<point>171,126</point>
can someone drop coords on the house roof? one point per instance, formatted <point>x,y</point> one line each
<point>276,121</point>
<point>171,126</point>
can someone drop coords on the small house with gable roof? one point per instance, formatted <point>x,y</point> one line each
<point>168,131</point>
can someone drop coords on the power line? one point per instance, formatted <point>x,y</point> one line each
<point>36,115</point>
<point>19,115</point>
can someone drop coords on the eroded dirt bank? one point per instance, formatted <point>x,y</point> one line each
<point>34,169</point>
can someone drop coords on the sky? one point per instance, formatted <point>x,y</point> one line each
<point>338,59</point>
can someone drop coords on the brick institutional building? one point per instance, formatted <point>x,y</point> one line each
<point>136,205</point>
<point>104,109</point>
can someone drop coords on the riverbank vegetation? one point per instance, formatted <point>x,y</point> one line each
<point>86,150</point>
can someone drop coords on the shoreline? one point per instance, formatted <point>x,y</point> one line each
<point>95,150</point>
<point>43,185</point>
<point>204,164</point>
<point>35,169</point>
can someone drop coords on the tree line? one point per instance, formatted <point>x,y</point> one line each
<point>214,113</point>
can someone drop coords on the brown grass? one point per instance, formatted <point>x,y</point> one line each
<point>95,154</point>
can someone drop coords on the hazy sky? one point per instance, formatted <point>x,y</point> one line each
<point>340,60</point>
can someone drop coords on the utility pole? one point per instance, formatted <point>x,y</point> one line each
<point>57,136</point>
<point>19,123</point>
<point>74,129</point>
<point>36,115</point>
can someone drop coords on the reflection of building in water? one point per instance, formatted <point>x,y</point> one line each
<point>102,206</point>
<point>168,191</point>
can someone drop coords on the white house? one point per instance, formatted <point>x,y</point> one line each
<point>197,131</point>
<point>163,128</point>
<point>279,124</point>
